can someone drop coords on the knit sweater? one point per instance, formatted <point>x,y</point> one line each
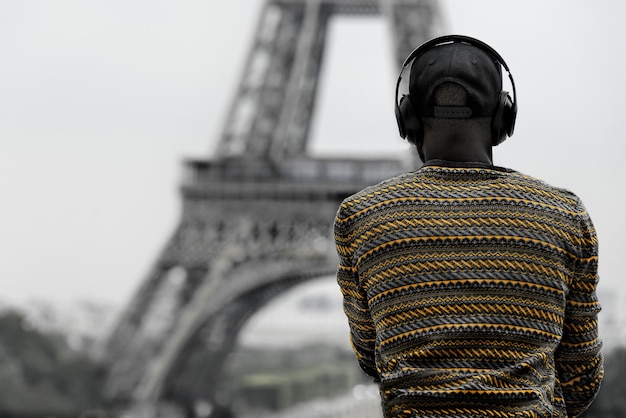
<point>471,292</point>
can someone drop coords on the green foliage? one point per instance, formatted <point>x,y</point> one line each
<point>41,375</point>
<point>611,401</point>
<point>279,378</point>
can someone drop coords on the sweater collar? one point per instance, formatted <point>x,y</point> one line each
<point>464,164</point>
<point>458,164</point>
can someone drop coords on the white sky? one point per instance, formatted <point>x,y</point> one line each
<point>100,100</point>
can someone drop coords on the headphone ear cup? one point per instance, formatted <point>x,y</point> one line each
<point>409,124</point>
<point>399,119</point>
<point>503,119</point>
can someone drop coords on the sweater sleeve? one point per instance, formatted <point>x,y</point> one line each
<point>362,330</point>
<point>578,359</point>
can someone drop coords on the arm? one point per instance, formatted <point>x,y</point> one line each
<point>578,359</point>
<point>362,330</point>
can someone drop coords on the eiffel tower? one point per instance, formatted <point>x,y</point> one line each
<point>257,216</point>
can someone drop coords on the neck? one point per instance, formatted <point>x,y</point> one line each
<point>458,149</point>
<point>465,155</point>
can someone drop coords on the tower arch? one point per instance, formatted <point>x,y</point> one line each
<point>257,216</point>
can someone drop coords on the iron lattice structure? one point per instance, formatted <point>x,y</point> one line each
<point>257,216</point>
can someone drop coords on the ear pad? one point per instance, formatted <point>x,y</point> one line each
<point>503,121</point>
<point>409,125</point>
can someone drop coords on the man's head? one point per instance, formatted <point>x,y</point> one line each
<point>462,64</point>
<point>455,86</point>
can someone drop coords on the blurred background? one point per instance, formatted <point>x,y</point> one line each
<point>100,101</point>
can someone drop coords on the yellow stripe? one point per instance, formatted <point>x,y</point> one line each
<point>453,199</point>
<point>464,237</point>
<point>458,327</point>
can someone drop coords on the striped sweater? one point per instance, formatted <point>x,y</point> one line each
<point>470,292</point>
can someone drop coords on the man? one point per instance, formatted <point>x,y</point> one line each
<point>469,288</point>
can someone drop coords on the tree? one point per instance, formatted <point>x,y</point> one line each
<point>41,375</point>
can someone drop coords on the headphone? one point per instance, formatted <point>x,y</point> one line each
<point>503,118</point>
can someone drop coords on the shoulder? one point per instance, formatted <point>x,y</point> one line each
<point>535,181</point>
<point>384,186</point>
<point>378,193</point>
<point>560,196</point>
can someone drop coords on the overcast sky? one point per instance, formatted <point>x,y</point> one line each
<point>100,101</point>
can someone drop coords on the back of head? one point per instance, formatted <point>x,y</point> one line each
<point>463,64</point>
<point>455,93</point>
<point>456,139</point>
<point>468,63</point>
